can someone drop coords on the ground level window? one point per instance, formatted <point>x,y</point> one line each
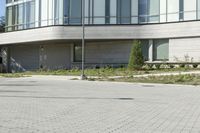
<point>1,60</point>
<point>161,50</point>
<point>77,53</point>
<point>145,49</point>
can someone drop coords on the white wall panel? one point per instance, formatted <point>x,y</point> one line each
<point>184,49</point>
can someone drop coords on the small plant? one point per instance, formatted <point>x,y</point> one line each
<point>163,66</point>
<point>187,66</point>
<point>182,65</point>
<point>171,66</point>
<point>150,66</point>
<point>157,66</point>
<point>176,59</point>
<point>195,65</point>
<point>122,66</point>
<point>186,58</point>
<point>136,58</point>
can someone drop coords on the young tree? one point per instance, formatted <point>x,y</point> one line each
<point>2,24</point>
<point>136,58</point>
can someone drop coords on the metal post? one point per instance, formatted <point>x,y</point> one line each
<point>83,76</point>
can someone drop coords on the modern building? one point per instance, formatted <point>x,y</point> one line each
<point>47,33</point>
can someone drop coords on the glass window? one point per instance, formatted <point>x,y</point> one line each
<point>8,1</point>
<point>75,12</point>
<point>145,49</point>
<point>15,17</point>
<point>87,13</point>
<point>50,12</point>
<point>143,11</point>
<point>107,12</point>
<point>124,11</point>
<point>77,53</point>
<point>190,9</point>
<point>9,17</point>
<point>18,17</point>
<point>161,50</point>
<point>198,9</point>
<point>181,10</point>
<point>30,14</point>
<point>149,10</point>
<point>113,11</point>
<point>66,11</point>
<point>1,60</point>
<point>99,12</point>
<point>163,10</point>
<point>173,10</point>
<point>44,12</point>
<point>153,10</point>
<point>56,12</point>
<point>134,11</point>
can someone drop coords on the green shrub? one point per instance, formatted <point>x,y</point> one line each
<point>195,65</point>
<point>157,66</point>
<point>136,58</point>
<point>182,65</point>
<point>171,66</point>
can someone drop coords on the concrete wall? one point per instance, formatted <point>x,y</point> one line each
<point>39,56</point>
<point>108,52</point>
<point>56,56</point>
<point>59,55</point>
<point>185,49</point>
<point>151,31</point>
<point>24,57</point>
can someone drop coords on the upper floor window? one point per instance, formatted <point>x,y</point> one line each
<point>39,13</point>
<point>72,11</point>
<point>9,18</point>
<point>8,1</point>
<point>149,11</point>
<point>123,11</point>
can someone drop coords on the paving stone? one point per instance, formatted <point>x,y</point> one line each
<point>48,105</point>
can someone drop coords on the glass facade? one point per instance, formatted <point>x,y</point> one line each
<point>161,50</point>
<point>24,14</point>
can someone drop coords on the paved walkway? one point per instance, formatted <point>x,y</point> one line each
<point>143,75</point>
<point>58,105</point>
<point>169,73</point>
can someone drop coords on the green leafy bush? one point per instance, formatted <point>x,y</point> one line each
<point>136,58</point>
<point>195,65</point>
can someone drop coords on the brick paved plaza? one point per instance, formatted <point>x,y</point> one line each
<point>58,105</point>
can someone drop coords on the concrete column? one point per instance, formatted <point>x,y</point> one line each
<point>5,53</point>
<point>150,50</point>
